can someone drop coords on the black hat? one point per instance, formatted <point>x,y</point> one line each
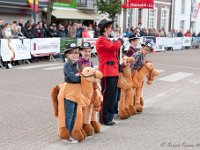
<point>133,38</point>
<point>86,45</point>
<point>71,47</point>
<point>104,23</point>
<point>148,44</point>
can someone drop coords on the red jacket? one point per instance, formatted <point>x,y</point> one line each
<point>107,54</point>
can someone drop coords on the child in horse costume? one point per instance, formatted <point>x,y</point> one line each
<point>138,74</point>
<point>70,97</point>
<point>90,121</point>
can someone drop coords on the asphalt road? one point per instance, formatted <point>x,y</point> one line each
<point>170,119</point>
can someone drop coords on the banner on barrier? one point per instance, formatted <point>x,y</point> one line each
<point>159,44</point>
<point>177,43</point>
<point>187,41</point>
<point>15,49</point>
<point>51,45</point>
<point>167,42</point>
<point>196,41</point>
<point>66,41</point>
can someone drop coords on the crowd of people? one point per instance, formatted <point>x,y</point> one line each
<point>29,29</point>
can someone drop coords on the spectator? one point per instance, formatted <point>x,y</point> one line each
<point>136,32</point>
<point>28,32</point>
<point>188,34</point>
<point>61,31</point>
<point>7,31</point>
<point>194,34</point>
<point>45,26</point>
<point>198,35</point>
<point>127,33</point>
<point>37,31</point>
<point>163,33</point>
<point>96,32</point>
<point>117,32</point>
<point>21,24</point>
<point>79,31</point>
<point>72,30</point>
<point>52,32</point>
<point>42,29</point>
<point>85,33</point>
<point>180,34</point>
<point>1,27</point>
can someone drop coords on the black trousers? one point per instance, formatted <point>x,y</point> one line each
<point>109,91</point>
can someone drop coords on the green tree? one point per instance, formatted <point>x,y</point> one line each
<point>49,10</point>
<point>112,7</point>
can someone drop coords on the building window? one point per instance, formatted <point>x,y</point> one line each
<point>182,25</point>
<point>152,18</point>
<point>182,6</point>
<point>164,18</point>
<point>82,2</point>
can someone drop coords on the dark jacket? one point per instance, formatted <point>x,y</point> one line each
<point>70,70</point>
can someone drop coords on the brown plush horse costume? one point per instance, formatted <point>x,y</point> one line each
<point>90,123</point>
<point>125,83</point>
<point>79,93</point>
<point>150,72</point>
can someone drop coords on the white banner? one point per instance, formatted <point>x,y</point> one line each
<point>43,46</point>
<point>15,49</point>
<point>177,43</point>
<point>167,42</point>
<point>187,41</point>
<point>159,44</point>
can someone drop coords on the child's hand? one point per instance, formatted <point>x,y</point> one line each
<point>77,74</point>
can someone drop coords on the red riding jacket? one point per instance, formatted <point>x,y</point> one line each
<point>107,52</point>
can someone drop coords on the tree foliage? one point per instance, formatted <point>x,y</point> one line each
<point>112,7</point>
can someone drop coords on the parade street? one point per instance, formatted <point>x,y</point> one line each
<point>170,119</point>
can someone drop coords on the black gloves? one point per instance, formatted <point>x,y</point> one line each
<point>121,40</point>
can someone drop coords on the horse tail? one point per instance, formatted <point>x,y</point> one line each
<point>54,99</point>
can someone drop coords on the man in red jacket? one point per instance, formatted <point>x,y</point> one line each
<point>107,52</point>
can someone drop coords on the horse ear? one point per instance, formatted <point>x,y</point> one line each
<point>82,67</point>
<point>131,59</point>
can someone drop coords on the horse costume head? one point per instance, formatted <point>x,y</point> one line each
<point>90,74</point>
<point>152,72</point>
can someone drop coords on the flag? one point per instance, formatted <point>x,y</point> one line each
<point>31,3</point>
<point>195,11</point>
<point>138,4</point>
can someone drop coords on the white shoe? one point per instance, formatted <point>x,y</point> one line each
<point>72,140</point>
<point>10,65</point>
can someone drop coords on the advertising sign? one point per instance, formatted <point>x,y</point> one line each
<point>65,3</point>
<point>15,49</point>
<point>51,45</point>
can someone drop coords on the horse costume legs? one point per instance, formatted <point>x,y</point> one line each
<point>138,106</point>
<point>87,127</point>
<point>77,132</point>
<point>130,101</point>
<point>123,113</point>
<point>94,122</point>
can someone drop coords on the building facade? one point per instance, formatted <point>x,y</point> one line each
<point>159,17</point>
<point>183,17</point>
<point>16,9</point>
